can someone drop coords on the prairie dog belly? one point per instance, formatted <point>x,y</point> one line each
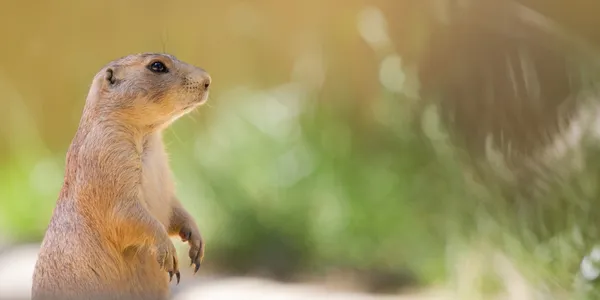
<point>157,182</point>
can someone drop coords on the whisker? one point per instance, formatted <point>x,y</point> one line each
<point>175,135</point>
<point>164,40</point>
<point>191,116</point>
<point>209,103</point>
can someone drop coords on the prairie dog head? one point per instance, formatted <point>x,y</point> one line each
<point>148,90</point>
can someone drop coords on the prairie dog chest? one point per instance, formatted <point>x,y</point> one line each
<point>157,182</point>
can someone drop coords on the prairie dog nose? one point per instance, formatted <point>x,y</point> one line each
<point>207,81</point>
<point>203,79</point>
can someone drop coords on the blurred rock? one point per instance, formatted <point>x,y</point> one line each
<point>16,269</point>
<point>17,264</point>
<point>253,288</point>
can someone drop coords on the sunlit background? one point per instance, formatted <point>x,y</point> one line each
<point>388,147</point>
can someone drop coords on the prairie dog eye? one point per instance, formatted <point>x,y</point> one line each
<point>158,67</point>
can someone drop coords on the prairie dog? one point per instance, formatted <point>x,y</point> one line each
<point>109,235</point>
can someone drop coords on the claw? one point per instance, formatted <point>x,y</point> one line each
<point>178,275</point>
<point>196,268</point>
<point>171,276</point>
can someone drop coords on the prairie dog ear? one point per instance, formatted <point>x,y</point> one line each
<point>110,76</point>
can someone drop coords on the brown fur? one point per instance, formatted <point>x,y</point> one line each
<point>117,208</point>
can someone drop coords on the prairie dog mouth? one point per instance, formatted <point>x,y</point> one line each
<point>204,97</point>
<point>194,104</point>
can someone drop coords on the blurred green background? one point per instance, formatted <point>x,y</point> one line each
<point>340,137</point>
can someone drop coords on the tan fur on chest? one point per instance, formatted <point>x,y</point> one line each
<point>157,183</point>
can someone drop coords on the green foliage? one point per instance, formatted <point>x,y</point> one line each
<point>294,181</point>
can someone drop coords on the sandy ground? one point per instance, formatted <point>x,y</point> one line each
<point>16,267</point>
